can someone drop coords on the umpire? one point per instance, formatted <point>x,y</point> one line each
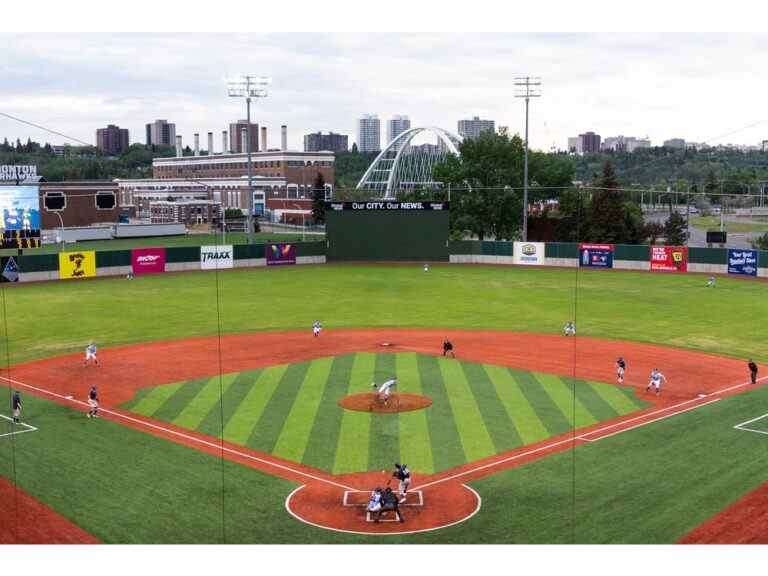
<point>389,502</point>
<point>752,371</point>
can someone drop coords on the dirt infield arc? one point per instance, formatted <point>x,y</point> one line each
<point>691,375</point>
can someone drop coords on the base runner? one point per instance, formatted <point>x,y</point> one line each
<point>93,402</point>
<point>621,366</point>
<point>655,382</point>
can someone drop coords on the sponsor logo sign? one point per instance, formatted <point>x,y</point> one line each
<point>596,255</point>
<point>281,254</point>
<point>216,257</point>
<point>669,258</point>
<point>75,265</point>
<point>531,253</point>
<point>148,260</point>
<point>742,262</point>
<point>386,205</point>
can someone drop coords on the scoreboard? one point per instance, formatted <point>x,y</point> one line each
<point>21,239</point>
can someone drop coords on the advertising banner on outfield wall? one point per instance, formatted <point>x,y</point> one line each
<point>147,260</point>
<point>531,253</point>
<point>281,254</point>
<point>742,262</point>
<point>669,258</point>
<point>73,265</point>
<point>213,257</point>
<point>596,255</point>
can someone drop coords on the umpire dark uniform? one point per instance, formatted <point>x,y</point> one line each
<point>389,502</point>
<point>752,371</point>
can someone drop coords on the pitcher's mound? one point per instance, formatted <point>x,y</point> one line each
<point>398,402</point>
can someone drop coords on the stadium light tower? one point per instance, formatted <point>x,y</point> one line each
<point>527,87</point>
<point>248,86</point>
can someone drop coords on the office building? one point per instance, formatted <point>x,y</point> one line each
<point>590,143</point>
<point>318,141</point>
<point>474,127</point>
<point>625,143</point>
<point>161,133</point>
<point>675,144</point>
<point>112,140</point>
<point>369,133</point>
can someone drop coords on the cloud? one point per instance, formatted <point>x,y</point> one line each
<point>694,86</point>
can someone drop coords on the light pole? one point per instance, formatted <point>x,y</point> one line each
<point>529,88</point>
<point>303,227</point>
<point>248,86</point>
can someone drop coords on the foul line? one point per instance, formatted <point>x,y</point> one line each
<point>584,438</point>
<point>27,426</point>
<point>182,435</point>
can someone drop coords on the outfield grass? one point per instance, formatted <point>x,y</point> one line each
<point>652,484</point>
<point>292,412</point>
<point>52,318</point>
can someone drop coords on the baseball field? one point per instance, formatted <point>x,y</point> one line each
<point>224,420</point>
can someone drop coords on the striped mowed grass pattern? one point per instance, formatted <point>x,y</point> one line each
<point>292,411</point>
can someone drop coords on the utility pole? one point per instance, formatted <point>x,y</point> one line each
<point>528,87</point>
<point>248,86</point>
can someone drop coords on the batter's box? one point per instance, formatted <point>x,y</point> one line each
<point>359,498</point>
<point>18,428</point>
<point>758,425</point>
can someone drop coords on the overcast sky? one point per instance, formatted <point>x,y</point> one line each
<point>701,87</point>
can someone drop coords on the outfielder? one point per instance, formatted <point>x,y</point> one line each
<point>656,379</point>
<point>93,402</point>
<point>404,476</point>
<point>90,354</point>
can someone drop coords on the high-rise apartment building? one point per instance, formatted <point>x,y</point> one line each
<point>318,141</point>
<point>590,143</point>
<point>474,127</point>
<point>675,143</point>
<point>396,126</point>
<point>112,140</point>
<point>236,137</point>
<point>369,133</point>
<point>161,133</point>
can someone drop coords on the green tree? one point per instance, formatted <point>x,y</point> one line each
<point>606,216</point>
<point>318,199</point>
<point>675,230</point>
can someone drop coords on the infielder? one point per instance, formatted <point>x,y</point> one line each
<point>90,354</point>
<point>93,402</point>
<point>404,476</point>
<point>316,327</point>
<point>621,366</point>
<point>385,390</point>
<point>656,379</point>
<point>570,329</point>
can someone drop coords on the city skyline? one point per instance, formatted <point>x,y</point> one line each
<point>661,85</point>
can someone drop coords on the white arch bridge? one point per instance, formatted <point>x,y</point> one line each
<point>403,166</point>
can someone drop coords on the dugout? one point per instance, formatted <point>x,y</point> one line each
<point>387,231</point>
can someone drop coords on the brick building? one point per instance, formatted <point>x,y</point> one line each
<point>112,140</point>
<point>78,203</point>
<point>188,212</point>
